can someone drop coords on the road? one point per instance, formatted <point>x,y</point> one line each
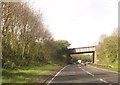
<point>76,74</point>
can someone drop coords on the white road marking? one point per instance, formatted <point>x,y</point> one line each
<point>110,84</point>
<point>87,72</point>
<point>94,75</point>
<point>104,69</point>
<point>56,75</point>
<point>83,69</point>
<point>103,80</point>
<point>90,73</point>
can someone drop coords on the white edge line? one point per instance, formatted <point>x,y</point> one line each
<point>56,75</point>
<point>104,69</point>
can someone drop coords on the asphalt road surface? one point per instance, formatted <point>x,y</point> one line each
<point>74,74</point>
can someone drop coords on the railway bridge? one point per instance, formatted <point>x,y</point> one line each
<point>82,50</point>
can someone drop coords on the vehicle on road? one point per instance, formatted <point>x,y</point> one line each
<point>83,64</point>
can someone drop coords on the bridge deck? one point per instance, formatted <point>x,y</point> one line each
<point>89,49</point>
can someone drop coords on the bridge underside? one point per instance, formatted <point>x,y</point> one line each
<point>93,52</point>
<point>83,52</point>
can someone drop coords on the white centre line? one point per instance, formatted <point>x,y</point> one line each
<point>94,75</point>
<point>56,75</point>
<point>103,80</point>
<point>83,69</point>
<point>87,72</point>
<point>90,73</point>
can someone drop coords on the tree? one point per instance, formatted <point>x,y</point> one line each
<point>22,31</point>
<point>102,37</point>
<point>107,50</point>
<point>62,48</point>
<point>25,38</point>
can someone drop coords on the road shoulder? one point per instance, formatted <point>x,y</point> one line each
<point>103,69</point>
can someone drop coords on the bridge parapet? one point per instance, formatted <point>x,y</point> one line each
<point>82,49</point>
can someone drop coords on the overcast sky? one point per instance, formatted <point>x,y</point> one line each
<point>81,22</point>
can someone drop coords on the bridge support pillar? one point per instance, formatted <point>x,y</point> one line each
<point>94,58</point>
<point>68,60</point>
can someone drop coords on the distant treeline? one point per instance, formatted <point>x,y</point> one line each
<point>25,38</point>
<point>82,57</point>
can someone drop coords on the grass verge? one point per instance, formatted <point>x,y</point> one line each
<point>31,74</point>
<point>107,67</point>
